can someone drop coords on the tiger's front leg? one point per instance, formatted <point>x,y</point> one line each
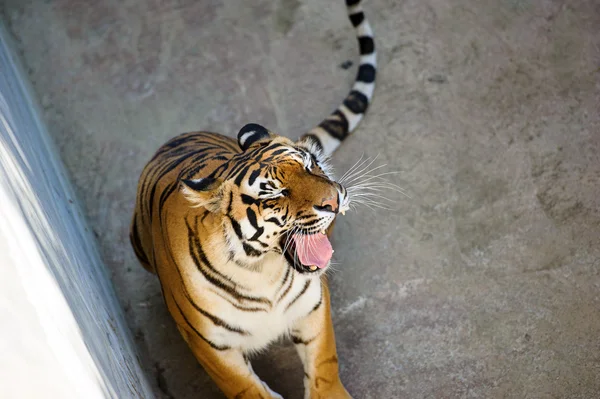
<point>314,339</point>
<point>229,369</point>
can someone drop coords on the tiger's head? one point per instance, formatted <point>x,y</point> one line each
<point>275,196</point>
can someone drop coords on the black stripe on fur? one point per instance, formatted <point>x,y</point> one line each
<point>366,45</point>
<point>306,285</point>
<point>357,18</point>
<point>366,73</point>
<point>336,125</point>
<point>209,342</point>
<point>357,102</point>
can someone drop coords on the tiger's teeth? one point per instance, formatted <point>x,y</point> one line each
<point>323,231</point>
<point>313,268</point>
<point>343,212</point>
<point>333,250</point>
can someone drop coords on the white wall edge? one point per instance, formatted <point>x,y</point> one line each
<point>63,332</point>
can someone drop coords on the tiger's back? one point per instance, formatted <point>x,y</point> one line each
<point>185,156</point>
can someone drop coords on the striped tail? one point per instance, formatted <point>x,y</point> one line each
<point>336,127</point>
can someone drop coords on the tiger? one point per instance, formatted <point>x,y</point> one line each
<point>237,232</point>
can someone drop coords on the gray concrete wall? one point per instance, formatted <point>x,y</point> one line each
<point>62,330</point>
<point>485,284</point>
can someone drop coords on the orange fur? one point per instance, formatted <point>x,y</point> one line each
<point>178,232</point>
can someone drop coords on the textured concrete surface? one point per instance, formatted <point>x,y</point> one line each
<point>484,284</point>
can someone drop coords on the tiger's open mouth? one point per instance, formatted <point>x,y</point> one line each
<point>307,253</point>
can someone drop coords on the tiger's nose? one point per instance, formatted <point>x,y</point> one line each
<point>331,204</point>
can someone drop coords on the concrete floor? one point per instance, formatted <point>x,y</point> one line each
<point>485,284</point>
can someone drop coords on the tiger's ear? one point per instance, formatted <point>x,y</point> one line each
<point>205,193</point>
<point>250,134</point>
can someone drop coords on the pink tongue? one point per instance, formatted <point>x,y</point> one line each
<point>314,249</point>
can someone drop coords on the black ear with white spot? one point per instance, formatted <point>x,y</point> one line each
<point>202,192</point>
<point>250,134</point>
<point>203,184</point>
